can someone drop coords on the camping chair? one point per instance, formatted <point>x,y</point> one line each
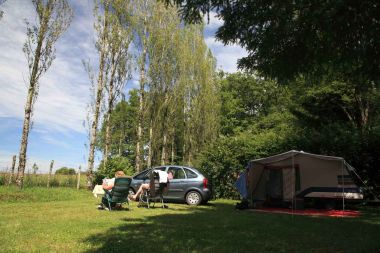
<point>155,192</point>
<point>119,193</point>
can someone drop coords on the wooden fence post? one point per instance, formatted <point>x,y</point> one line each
<point>11,174</point>
<point>50,170</point>
<point>78,183</point>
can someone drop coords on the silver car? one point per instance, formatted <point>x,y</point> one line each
<point>188,184</point>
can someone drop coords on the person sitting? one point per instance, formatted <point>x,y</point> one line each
<point>164,177</point>
<point>107,185</point>
<point>144,186</point>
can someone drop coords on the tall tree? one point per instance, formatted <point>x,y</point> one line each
<point>142,13</point>
<point>118,61</point>
<point>54,17</point>
<point>102,27</point>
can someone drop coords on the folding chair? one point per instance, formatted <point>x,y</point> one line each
<point>155,192</point>
<point>119,193</point>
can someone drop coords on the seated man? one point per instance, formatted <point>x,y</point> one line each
<point>107,185</point>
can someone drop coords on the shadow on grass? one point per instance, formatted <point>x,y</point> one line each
<point>220,228</point>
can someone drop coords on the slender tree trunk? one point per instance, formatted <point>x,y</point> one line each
<point>110,108</point>
<point>172,155</point>
<point>99,92</point>
<point>78,181</point>
<point>163,154</point>
<point>50,171</point>
<point>190,153</point>
<point>141,100</point>
<point>149,162</point>
<point>30,100</point>
<point>11,174</point>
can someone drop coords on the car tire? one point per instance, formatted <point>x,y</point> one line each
<point>193,198</point>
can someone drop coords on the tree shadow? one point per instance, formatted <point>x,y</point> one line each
<point>221,228</point>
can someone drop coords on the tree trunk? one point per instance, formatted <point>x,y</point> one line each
<point>12,170</point>
<point>110,108</point>
<point>172,155</point>
<point>29,108</point>
<point>99,92</point>
<point>50,171</point>
<point>78,182</point>
<point>163,154</point>
<point>141,100</point>
<point>149,162</point>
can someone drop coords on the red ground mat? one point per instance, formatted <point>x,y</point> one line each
<point>311,212</point>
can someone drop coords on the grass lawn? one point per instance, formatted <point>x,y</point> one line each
<point>66,220</point>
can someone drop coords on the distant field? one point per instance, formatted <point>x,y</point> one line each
<point>66,220</point>
<point>33,180</point>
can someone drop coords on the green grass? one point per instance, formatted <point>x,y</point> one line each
<point>40,180</point>
<point>66,220</point>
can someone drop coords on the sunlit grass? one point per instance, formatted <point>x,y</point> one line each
<point>41,180</point>
<point>66,220</point>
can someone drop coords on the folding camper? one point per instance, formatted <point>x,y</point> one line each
<point>295,175</point>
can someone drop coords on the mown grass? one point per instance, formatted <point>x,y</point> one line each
<point>66,220</point>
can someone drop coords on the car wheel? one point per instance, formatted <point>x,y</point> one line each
<point>131,191</point>
<point>193,198</point>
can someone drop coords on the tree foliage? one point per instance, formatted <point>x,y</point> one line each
<point>65,171</point>
<point>334,37</point>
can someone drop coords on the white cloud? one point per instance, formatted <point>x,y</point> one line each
<point>64,89</point>
<point>212,21</point>
<point>226,55</point>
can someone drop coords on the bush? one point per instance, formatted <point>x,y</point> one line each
<point>113,164</point>
<point>65,171</point>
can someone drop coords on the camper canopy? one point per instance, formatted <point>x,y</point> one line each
<point>297,174</point>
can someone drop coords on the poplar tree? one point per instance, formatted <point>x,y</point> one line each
<point>54,17</point>
<point>102,27</point>
<point>118,62</point>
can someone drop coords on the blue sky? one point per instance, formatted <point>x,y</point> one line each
<point>58,131</point>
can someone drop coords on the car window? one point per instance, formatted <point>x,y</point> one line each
<point>190,173</point>
<point>177,172</point>
<point>160,168</point>
<point>142,175</point>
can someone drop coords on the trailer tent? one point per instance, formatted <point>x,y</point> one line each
<point>297,175</point>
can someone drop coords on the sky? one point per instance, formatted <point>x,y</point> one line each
<point>58,132</point>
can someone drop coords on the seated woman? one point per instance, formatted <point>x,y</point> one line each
<point>107,185</point>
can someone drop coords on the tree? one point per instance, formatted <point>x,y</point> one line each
<point>123,132</point>
<point>65,171</point>
<point>54,17</point>
<point>142,11</point>
<point>118,62</point>
<point>35,168</point>
<point>102,28</point>
<point>334,37</point>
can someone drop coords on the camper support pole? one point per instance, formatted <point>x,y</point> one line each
<point>343,185</point>
<point>294,202</point>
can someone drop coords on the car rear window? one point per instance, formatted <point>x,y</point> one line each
<point>190,173</point>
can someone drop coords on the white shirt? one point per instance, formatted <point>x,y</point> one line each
<point>163,176</point>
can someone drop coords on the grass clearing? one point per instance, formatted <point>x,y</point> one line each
<point>66,220</point>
